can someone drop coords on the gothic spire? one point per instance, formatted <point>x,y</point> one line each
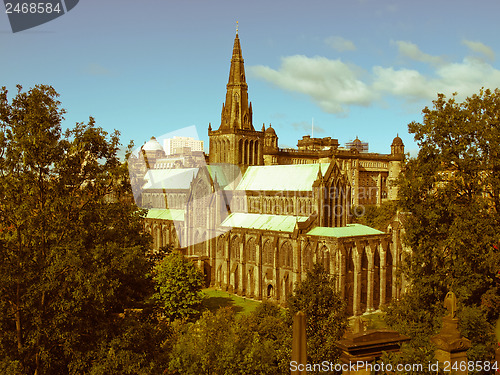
<point>236,111</point>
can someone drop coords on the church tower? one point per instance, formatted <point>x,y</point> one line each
<point>236,141</point>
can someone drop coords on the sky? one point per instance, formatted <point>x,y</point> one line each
<point>356,68</point>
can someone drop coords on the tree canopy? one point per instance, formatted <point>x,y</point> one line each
<point>71,258</point>
<point>326,315</point>
<point>178,287</point>
<point>451,191</point>
<point>224,343</point>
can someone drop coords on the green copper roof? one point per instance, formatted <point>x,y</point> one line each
<point>281,223</point>
<point>351,230</point>
<point>165,214</point>
<point>169,178</point>
<point>295,177</point>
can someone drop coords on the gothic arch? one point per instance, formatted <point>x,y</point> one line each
<point>251,250</point>
<point>389,274</point>
<point>220,247</point>
<point>251,153</point>
<point>268,253</point>
<point>240,151</point>
<point>307,258</point>
<point>286,255</point>
<point>245,147</point>
<point>326,258</point>
<point>235,248</point>
<point>349,284</point>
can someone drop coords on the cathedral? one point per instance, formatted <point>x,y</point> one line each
<point>256,217</point>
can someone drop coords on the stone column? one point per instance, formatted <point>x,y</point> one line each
<point>258,259</point>
<point>383,275</point>
<point>243,274</point>
<point>369,293</point>
<point>357,284</point>
<point>342,273</point>
<point>394,271</point>
<point>379,189</point>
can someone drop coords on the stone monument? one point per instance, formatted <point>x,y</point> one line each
<point>451,347</point>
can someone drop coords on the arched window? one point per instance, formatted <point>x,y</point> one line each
<point>286,255</point>
<point>307,258</point>
<point>235,247</point>
<point>268,253</point>
<point>251,250</point>
<point>220,246</point>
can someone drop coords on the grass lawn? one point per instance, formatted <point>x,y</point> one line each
<point>218,298</point>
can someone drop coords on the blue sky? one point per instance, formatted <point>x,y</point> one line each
<point>358,67</point>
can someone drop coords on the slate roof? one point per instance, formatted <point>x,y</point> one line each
<point>280,223</point>
<point>351,230</point>
<point>294,177</point>
<point>169,178</point>
<point>165,214</point>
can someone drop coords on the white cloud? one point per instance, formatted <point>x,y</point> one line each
<point>480,48</point>
<point>412,51</point>
<point>465,78</point>
<point>340,44</point>
<point>332,84</point>
<point>335,86</point>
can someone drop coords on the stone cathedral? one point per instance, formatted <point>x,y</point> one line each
<point>256,217</point>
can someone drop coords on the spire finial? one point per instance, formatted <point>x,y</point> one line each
<point>236,27</point>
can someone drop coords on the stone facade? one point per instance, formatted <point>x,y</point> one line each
<point>256,217</point>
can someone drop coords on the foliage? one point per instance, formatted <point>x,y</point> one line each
<point>452,190</point>
<point>325,314</point>
<point>139,347</point>
<point>178,287</point>
<point>475,326</point>
<point>223,343</point>
<point>70,257</point>
<point>378,217</point>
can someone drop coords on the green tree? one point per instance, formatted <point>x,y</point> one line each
<point>178,287</point>
<point>452,190</point>
<point>223,343</point>
<point>70,259</point>
<point>325,311</point>
<point>377,217</point>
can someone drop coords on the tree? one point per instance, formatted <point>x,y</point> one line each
<point>378,217</point>
<point>178,287</point>
<point>325,311</point>
<point>224,343</point>
<point>452,190</point>
<point>70,259</point>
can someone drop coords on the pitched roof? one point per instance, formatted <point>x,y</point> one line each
<point>169,178</point>
<point>295,177</point>
<point>281,223</point>
<point>165,214</point>
<point>351,230</point>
